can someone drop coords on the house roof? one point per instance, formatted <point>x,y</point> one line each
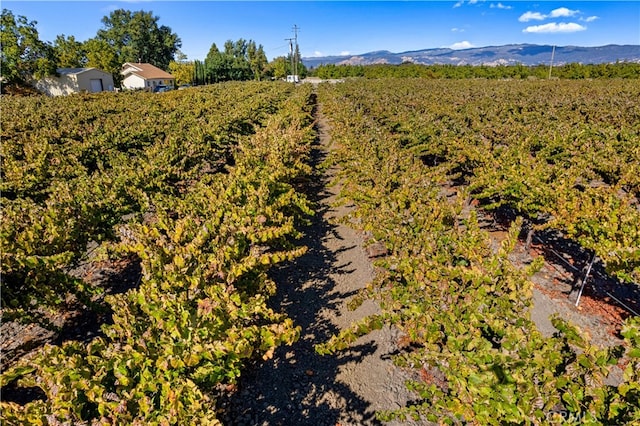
<point>146,71</point>
<point>70,71</point>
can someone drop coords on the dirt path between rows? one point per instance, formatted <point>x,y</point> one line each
<point>298,386</point>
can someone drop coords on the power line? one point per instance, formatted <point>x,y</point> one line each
<point>278,47</point>
<point>293,53</point>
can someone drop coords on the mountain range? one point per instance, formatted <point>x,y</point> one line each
<point>512,54</point>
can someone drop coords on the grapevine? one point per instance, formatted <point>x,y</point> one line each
<point>461,304</point>
<point>206,230</point>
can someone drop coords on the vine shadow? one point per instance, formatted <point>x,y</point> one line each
<point>293,387</point>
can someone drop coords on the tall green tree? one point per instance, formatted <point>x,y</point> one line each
<point>257,60</point>
<point>237,49</point>
<point>301,70</point>
<point>23,55</point>
<point>217,64</point>
<point>233,63</point>
<point>68,52</point>
<point>199,73</point>
<point>100,54</point>
<point>137,37</point>
<point>279,67</point>
<point>213,50</point>
<point>241,68</point>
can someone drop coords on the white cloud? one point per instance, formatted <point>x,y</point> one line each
<point>531,16</point>
<point>457,30</point>
<point>318,54</point>
<point>461,45</point>
<point>554,27</point>
<point>500,6</point>
<point>461,2</point>
<point>345,53</point>
<point>563,12</point>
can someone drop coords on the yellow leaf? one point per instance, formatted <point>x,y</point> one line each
<point>268,354</point>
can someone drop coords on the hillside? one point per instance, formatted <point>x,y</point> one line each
<point>526,54</point>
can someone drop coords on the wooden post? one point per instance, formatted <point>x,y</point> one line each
<point>584,281</point>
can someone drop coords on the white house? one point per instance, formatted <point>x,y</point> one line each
<point>75,80</point>
<point>145,76</point>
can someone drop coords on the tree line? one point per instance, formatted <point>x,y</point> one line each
<point>125,37</point>
<point>128,36</point>
<point>569,71</point>
<point>240,60</point>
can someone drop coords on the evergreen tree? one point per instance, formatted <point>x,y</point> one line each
<point>234,63</point>
<point>257,60</point>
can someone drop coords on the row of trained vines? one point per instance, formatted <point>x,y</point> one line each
<point>198,185</point>
<point>563,155</point>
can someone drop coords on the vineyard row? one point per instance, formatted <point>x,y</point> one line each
<point>204,180</point>
<point>562,156</point>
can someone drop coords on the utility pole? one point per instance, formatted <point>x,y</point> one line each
<point>290,40</point>
<point>295,55</point>
<point>553,52</point>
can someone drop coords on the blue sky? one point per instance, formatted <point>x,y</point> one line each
<point>347,28</point>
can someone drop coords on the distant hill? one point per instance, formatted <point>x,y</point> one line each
<point>512,54</point>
